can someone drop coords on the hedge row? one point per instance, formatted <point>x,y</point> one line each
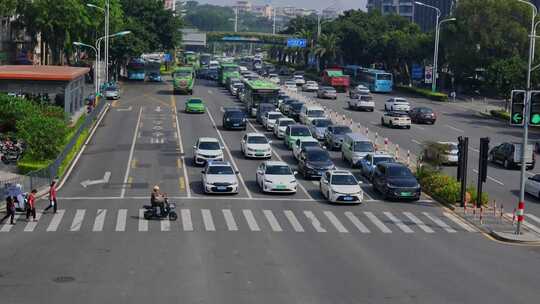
<point>424,93</point>
<point>443,187</point>
<point>500,114</point>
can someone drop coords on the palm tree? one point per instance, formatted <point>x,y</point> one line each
<point>308,35</point>
<point>327,48</point>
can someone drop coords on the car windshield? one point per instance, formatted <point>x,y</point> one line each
<point>220,170</point>
<point>284,123</point>
<point>111,89</point>
<point>290,83</point>
<point>297,106</point>
<point>300,131</point>
<point>235,114</point>
<point>257,140</point>
<point>366,98</point>
<point>342,130</point>
<point>315,113</point>
<point>209,145</point>
<point>195,101</point>
<point>318,155</point>
<point>310,144</point>
<point>363,146</point>
<point>344,180</point>
<point>384,76</point>
<point>266,108</point>
<point>322,123</point>
<point>400,101</point>
<point>384,159</point>
<point>425,110</point>
<point>278,170</point>
<point>397,171</point>
<point>274,116</point>
<point>182,74</point>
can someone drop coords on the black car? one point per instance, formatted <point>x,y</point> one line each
<point>314,161</point>
<point>284,105</point>
<point>294,110</point>
<point>422,115</point>
<point>395,181</point>
<point>509,156</point>
<point>234,118</point>
<point>263,109</point>
<point>334,135</point>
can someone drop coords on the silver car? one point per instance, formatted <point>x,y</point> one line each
<point>111,93</point>
<point>318,127</point>
<point>334,135</point>
<point>327,92</point>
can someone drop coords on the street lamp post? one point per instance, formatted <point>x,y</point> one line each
<point>274,21</point>
<point>98,44</point>
<point>80,44</point>
<point>532,38</point>
<point>106,31</point>
<point>436,53</point>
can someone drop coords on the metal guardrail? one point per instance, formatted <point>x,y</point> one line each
<point>43,177</point>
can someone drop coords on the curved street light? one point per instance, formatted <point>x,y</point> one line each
<point>80,44</point>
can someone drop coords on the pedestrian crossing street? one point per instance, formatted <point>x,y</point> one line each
<point>279,221</point>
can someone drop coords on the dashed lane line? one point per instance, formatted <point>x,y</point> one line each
<point>131,151</point>
<point>455,129</point>
<point>182,162</point>
<point>490,178</point>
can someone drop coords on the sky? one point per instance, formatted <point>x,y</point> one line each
<point>311,4</point>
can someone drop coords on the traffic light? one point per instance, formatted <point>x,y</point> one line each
<point>517,107</point>
<point>534,114</point>
<point>484,151</point>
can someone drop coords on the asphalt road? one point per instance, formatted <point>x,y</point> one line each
<point>453,120</point>
<point>246,248</point>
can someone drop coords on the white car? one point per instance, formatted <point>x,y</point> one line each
<point>291,86</point>
<point>309,113</point>
<point>363,102</point>
<point>450,156</point>
<point>532,185</point>
<point>310,86</point>
<point>276,176</point>
<point>300,143</point>
<point>358,91</point>
<point>340,186</point>
<point>243,68</point>
<point>269,119</point>
<point>396,120</point>
<point>219,177</point>
<point>397,104</point>
<point>207,149</point>
<point>256,145</point>
<point>281,125</point>
<point>299,80</point>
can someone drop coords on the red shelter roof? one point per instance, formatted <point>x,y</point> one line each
<point>41,72</point>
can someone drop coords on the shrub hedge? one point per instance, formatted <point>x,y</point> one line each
<point>437,96</point>
<point>500,114</point>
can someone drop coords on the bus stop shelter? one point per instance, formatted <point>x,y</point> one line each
<point>64,85</point>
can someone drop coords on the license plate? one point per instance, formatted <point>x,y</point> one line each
<point>406,193</point>
<point>222,188</point>
<point>348,198</point>
<point>280,187</point>
<point>236,125</point>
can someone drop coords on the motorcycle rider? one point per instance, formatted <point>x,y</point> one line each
<point>157,199</point>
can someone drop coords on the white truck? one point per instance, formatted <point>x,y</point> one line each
<point>363,102</point>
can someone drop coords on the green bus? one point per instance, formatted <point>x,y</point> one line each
<point>191,58</point>
<point>259,91</point>
<point>183,80</point>
<point>227,70</point>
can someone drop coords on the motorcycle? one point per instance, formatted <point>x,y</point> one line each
<point>169,211</point>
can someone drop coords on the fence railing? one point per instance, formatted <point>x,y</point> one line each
<point>43,177</point>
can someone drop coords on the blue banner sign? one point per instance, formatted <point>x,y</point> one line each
<point>417,72</point>
<point>296,42</point>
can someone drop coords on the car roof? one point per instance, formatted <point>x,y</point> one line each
<point>396,164</point>
<point>309,108</point>
<point>308,139</point>
<point>218,163</point>
<point>314,148</point>
<point>358,137</point>
<point>326,88</point>
<point>402,113</point>
<point>381,154</point>
<point>252,134</point>
<point>273,112</point>
<point>275,163</point>
<point>338,126</point>
<point>285,118</point>
<point>208,139</point>
<point>233,109</point>
<point>297,126</point>
<point>340,172</point>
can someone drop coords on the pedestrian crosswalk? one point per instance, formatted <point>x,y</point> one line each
<point>216,220</point>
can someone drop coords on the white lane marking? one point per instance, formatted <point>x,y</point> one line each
<point>131,151</point>
<point>274,224</point>
<point>280,159</point>
<point>356,222</point>
<point>418,127</point>
<point>398,222</point>
<point>314,182</point>
<point>100,220</point>
<point>294,221</point>
<point>225,198</point>
<point>474,150</point>
<point>418,222</point>
<point>230,154</point>
<point>314,221</point>
<point>165,225</point>
<point>229,220</point>
<point>187,224</point>
<point>490,178</point>
<point>532,217</point>
<point>439,222</point>
<point>207,220</point>
<point>373,123</point>
<point>454,128</point>
<point>121,220</point>
<point>250,219</point>
<point>416,142</point>
<point>32,225</point>
<point>458,221</point>
<point>55,222</point>
<point>210,92</point>
<point>7,226</point>
<point>143,223</point>
<point>182,156</point>
<point>525,223</point>
<point>377,222</point>
<point>334,220</point>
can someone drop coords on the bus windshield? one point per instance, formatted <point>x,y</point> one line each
<point>182,73</point>
<point>384,77</point>
<point>264,98</point>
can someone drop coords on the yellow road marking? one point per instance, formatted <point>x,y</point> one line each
<point>181,183</point>
<point>179,163</point>
<point>134,164</point>
<point>114,104</point>
<point>173,101</point>
<point>130,181</point>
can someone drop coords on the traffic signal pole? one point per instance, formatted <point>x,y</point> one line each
<point>532,38</point>
<point>462,166</point>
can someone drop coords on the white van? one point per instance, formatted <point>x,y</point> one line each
<point>309,113</point>
<point>355,147</point>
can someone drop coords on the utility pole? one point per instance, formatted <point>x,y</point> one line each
<point>107,41</point>
<point>274,22</point>
<point>236,19</point>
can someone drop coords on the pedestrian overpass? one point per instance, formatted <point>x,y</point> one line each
<point>248,37</point>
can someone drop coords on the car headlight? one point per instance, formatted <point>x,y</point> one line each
<point>251,150</point>
<point>292,182</point>
<point>228,119</point>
